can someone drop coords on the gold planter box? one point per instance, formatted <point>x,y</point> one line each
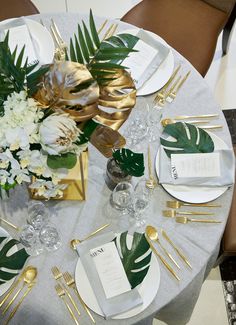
<point>76,180</point>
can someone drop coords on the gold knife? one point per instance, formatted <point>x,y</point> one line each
<point>164,234</point>
<point>169,268</point>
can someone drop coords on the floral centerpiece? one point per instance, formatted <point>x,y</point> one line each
<point>49,113</point>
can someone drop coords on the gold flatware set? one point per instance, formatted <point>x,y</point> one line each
<point>180,216</point>
<point>110,31</point>
<point>152,237</point>
<point>169,91</point>
<point>65,282</point>
<point>26,279</point>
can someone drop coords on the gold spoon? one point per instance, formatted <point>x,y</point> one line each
<point>30,275</point>
<point>27,269</point>
<point>153,235</point>
<point>148,234</point>
<point>75,242</point>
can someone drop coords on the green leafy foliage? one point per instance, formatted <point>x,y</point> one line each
<point>16,75</point>
<point>136,265</point>
<point>188,139</point>
<point>130,162</point>
<point>14,261</point>
<point>67,160</point>
<point>103,57</point>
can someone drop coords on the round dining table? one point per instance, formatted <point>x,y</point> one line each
<point>174,301</point>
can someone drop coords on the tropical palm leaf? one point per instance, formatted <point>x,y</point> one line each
<point>8,262</point>
<point>188,139</point>
<point>16,75</point>
<point>135,260</point>
<point>103,57</point>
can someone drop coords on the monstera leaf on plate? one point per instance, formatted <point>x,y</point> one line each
<point>135,260</point>
<point>13,262</point>
<point>188,139</point>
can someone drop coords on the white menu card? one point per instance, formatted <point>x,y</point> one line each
<point>195,165</point>
<point>110,270</point>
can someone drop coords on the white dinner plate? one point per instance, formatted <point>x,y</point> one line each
<point>147,289</point>
<point>162,74</point>
<point>41,38</point>
<point>195,194</point>
<point>5,286</point>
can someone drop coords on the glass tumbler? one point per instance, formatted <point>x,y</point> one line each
<point>38,215</point>
<point>29,239</point>
<point>49,237</point>
<point>122,196</point>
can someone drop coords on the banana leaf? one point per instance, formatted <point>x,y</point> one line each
<point>130,162</point>
<point>135,260</point>
<point>12,262</point>
<point>188,139</point>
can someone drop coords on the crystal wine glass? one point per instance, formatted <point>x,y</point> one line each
<point>29,239</point>
<point>141,200</point>
<point>49,237</point>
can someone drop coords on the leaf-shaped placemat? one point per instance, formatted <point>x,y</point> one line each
<point>130,162</point>
<point>189,139</point>
<point>14,261</point>
<point>135,266</point>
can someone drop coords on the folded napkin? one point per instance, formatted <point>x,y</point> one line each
<point>115,305</point>
<point>225,178</point>
<point>142,64</point>
<point>19,35</point>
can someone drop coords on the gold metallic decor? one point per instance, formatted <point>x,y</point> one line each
<point>76,181</point>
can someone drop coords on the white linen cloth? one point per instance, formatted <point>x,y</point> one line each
<point>174,301</point>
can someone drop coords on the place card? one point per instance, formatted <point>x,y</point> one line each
<point>110,270</point>
<point>195,165</point>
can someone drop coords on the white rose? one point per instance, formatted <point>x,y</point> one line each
<point>57,134</point>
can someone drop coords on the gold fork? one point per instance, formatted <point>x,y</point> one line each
<point>172,95</point>
<point>184,220</point>
<point>174,213</point>
<point>168,92</point>
<point>58,276</point>
<point>61,293</point>
<point>160,94</point>
<point>71,283</point>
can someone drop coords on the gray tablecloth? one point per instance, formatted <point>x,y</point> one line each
<point>174,301</point>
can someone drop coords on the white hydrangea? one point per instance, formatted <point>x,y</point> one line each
<point>19,125</point>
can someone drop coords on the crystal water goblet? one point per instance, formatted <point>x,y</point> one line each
<point>141,200</point>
